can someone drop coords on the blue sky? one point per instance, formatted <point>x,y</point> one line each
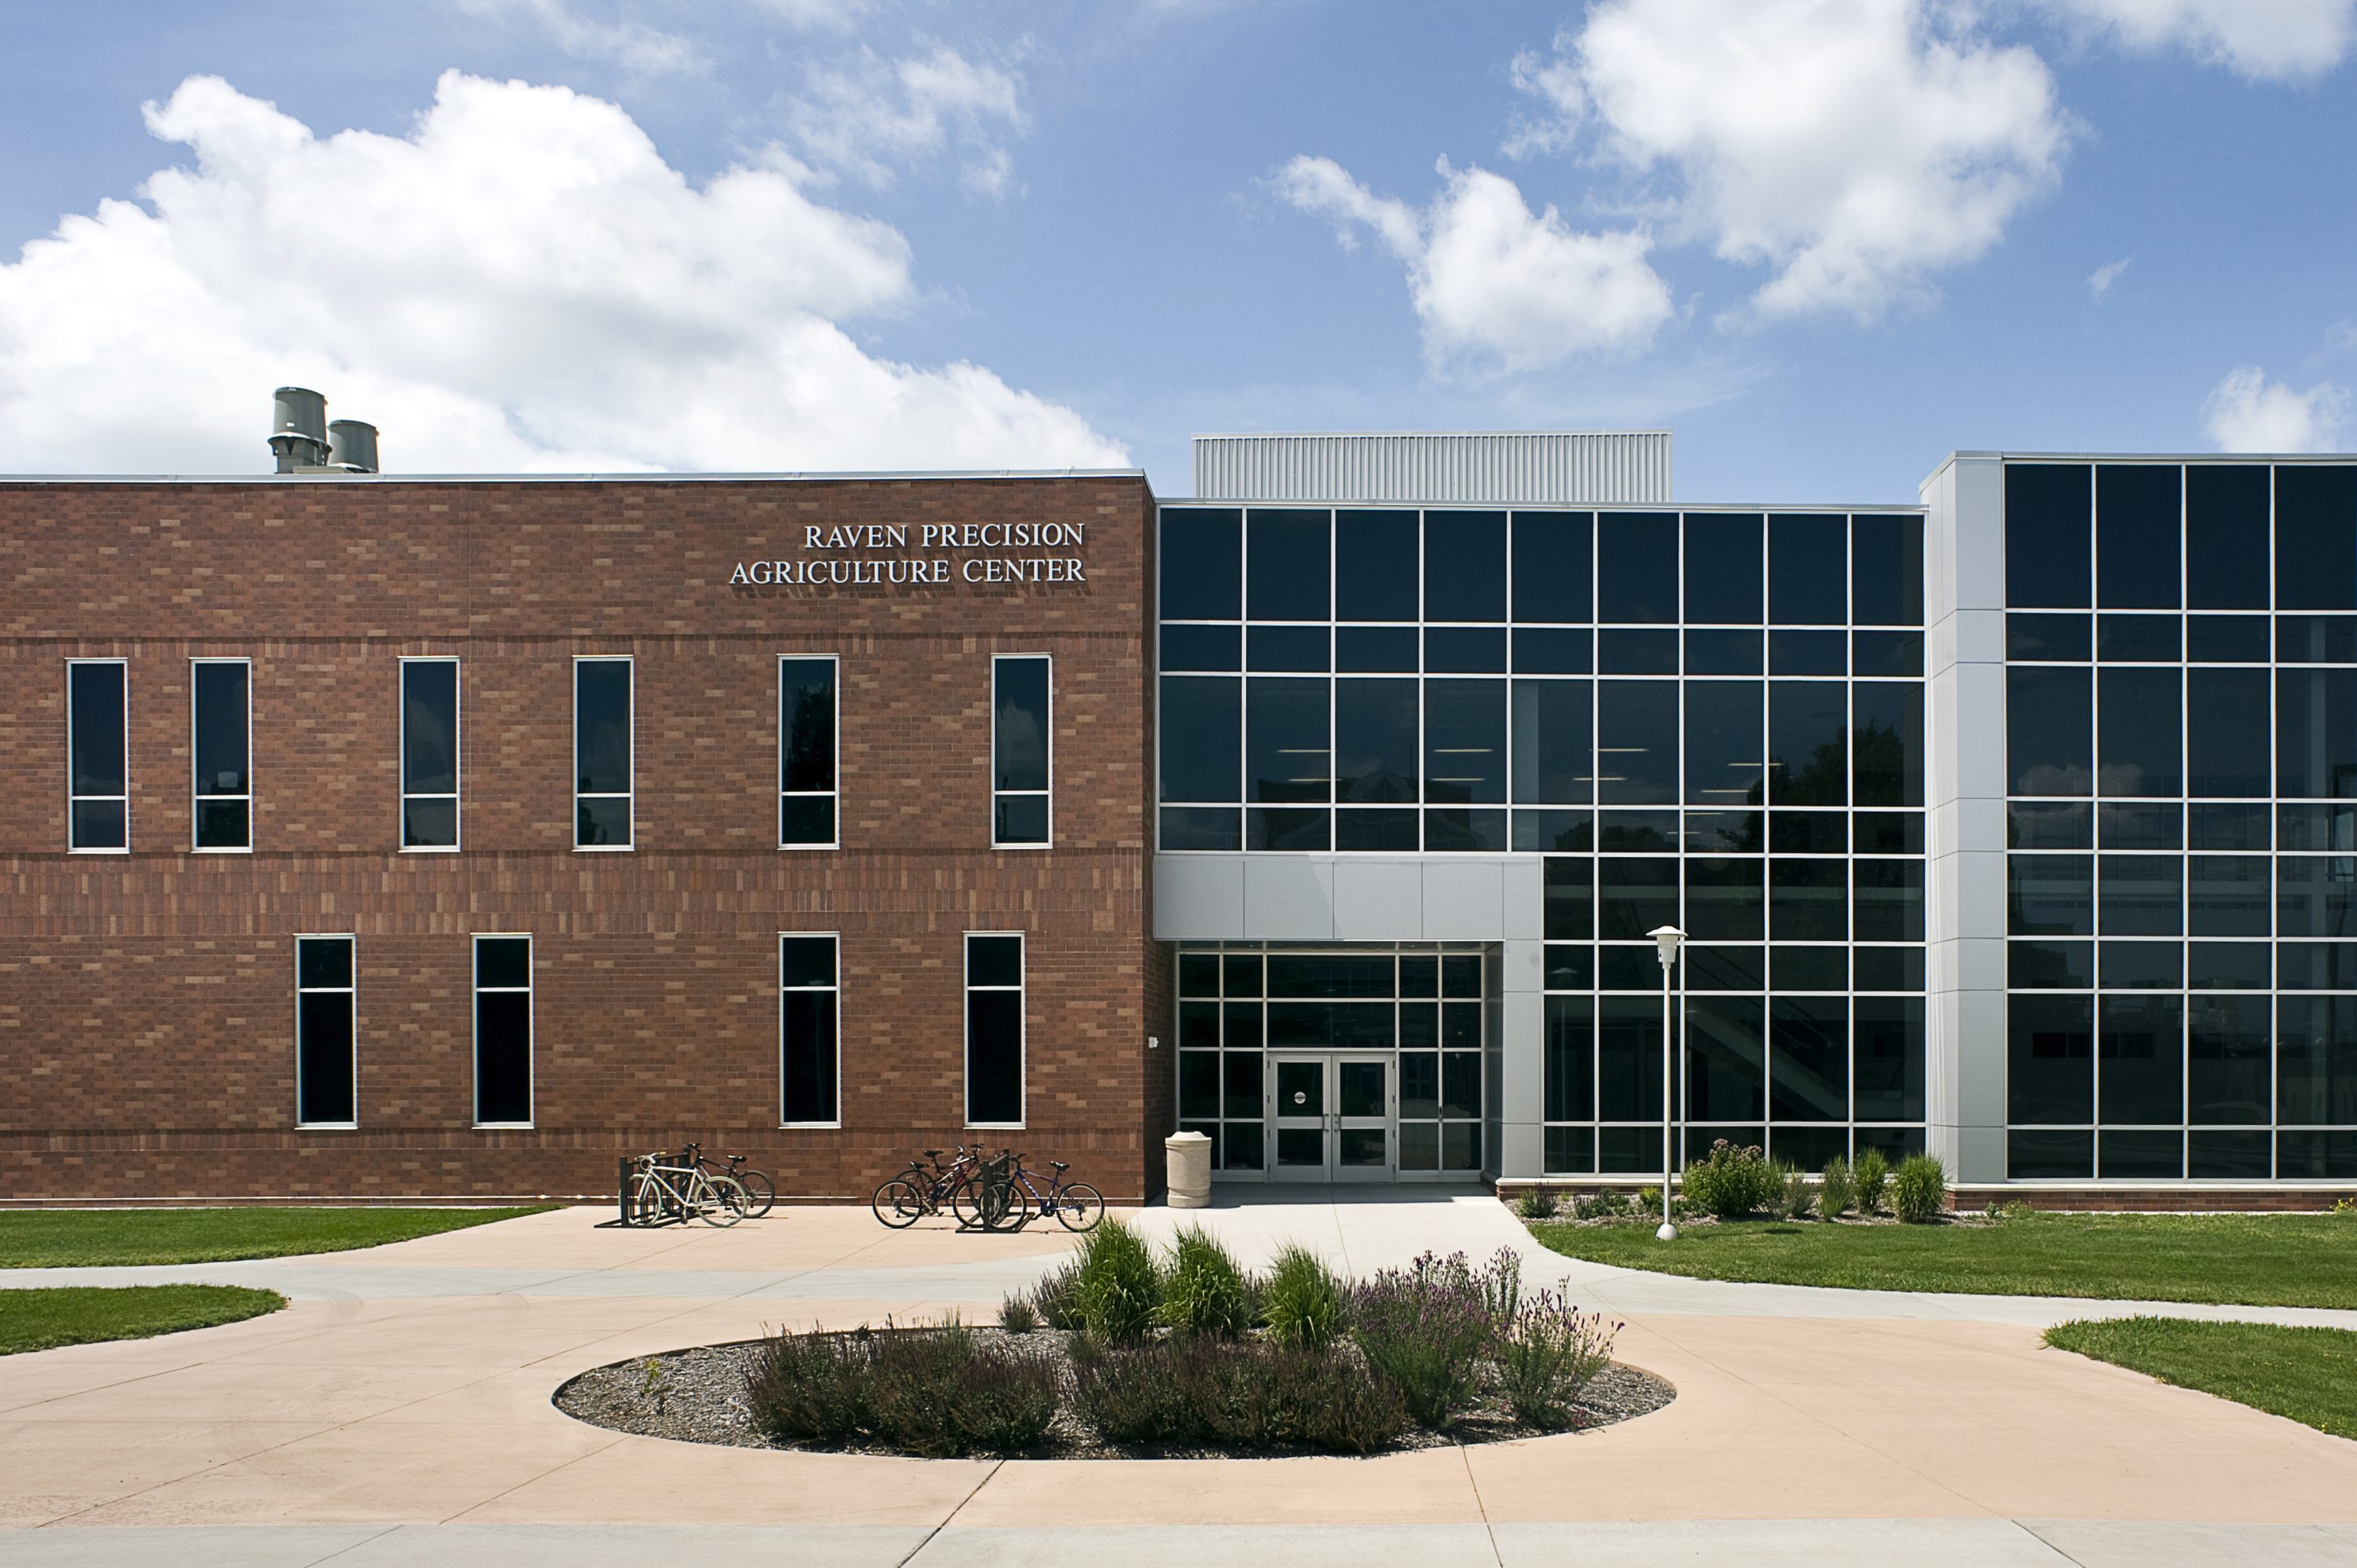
<point>1825,242</point>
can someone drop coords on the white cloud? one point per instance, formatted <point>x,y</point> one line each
<point>520,283</point>
<point>2100,281</point>
<point>2246,412</point>
<point>1856,146</point>
<point>2340,338</point>
<point>2275,40</point>
<point>870,117</point>
<point>626,42</point>
<point>830,16</point>
<point>1494,283</point>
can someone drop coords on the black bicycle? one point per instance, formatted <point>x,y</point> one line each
<point>1076,1205</point>
<point>759,1191</point>
<point>924,1189</point>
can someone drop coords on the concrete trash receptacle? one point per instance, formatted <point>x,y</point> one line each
<point>1190,1169</point>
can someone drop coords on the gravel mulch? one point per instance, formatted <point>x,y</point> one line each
<point>698,1395</point>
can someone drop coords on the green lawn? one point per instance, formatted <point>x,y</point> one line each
<point>86,1238</point>
<point>79,1315</point>
<point>2259,1259</point>
<point>2307,1374</point>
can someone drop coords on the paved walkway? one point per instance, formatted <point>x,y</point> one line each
<point>399,1412</point>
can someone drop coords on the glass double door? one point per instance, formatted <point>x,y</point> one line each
<point>1334,1115</point>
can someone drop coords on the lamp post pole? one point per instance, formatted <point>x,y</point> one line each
<point>1666,938</point>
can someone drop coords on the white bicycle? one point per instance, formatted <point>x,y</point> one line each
<point>684,1193</point>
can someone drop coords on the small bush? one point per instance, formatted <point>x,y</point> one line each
<point>1872,1173</point>
<point>1548,1357</point>
<point>1606,1205</point>
<point>1204,1291</point>
<point>1018,1316</point>
<point>1536,1203</point>
<point>1234,1392</point>
<point>1428,1329</point>
<point>1919,1189</point>
<point>1795,1197</point>
<point>1732,1182</point>
<point>810,1387</point>
<point>2018,1210</point>
<point>1301,1302</point>
<point>1117,1287</point>
<point>1648,1200</point>
<point>1837,1189</point>
<point>1056,1297</point>
<point>938,1392</point>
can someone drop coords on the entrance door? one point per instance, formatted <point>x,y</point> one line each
<point>1333,1116</point>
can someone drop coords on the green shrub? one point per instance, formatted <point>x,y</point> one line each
<point>1301,1301</point>
<point>1117,1288</point>
<point>1428,1329</point>
<point>1238,1393</point>
<point>937,1392</point>
<point>1794,1198</point>
<point>809,1388</point>
<point>1018,1316</point>
<point>1055,1296</point>
<point>1548,1356</point>
<point>1535,1203</point>
<point>1837,1190</point>
<point>1732,1182</point>
<point>1204,1291</point>
<point>1648,1200</point>
<point>1605,1205</point>
<point>1872,1172</point>
<point>1919,1189</point>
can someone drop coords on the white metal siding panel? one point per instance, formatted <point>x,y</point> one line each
<point>1599,466</point>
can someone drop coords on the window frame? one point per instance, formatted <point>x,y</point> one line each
<point>475,990</point>
<point>351,942</point>
<point>628,797</point>
<point>1022,989</point>
<point>196,796</point>
<point>457,758</point>
<point>73,799</point>
<point>833,989</point>
<point>996,794</point>
<point>834,762</point>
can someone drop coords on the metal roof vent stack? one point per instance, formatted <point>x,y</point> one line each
<point>352,447</point>
<point>298,429</point>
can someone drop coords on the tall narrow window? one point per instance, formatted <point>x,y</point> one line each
<point>324,1034</point>
<point>98,804</point>
<point>601,753</point>
<point>1021,749</point>
<point>993,1030</point>
<point>806,753</point>
<point>809,1061</point>
<point>223,748</point>
<point>429,754</point>
<point>503,1031</point>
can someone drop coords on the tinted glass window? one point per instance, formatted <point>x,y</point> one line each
<point>2136,510</point>
<point>2049,731</point>
<point>429,732</point>
<point>1808,570</point>
<point>2226,536</point>
<point>1637,566</point>
<point>1203,563</point>
<point>1554,730</point>
<point>1286,567</point>
<point>2051,1058</point>
<point>2226,732</point>
<point>2226,896</point>
<point>1202,738</point>
<point>2049,895</point>
<point>1886,747</point>
<point>601,726</point>
<point>2137,753</point>
<point>1020,739</point>
<point>1465,741</point>
<point>220,738</point>
<point>1724,568</point>
<point>1726,901</point>
<point>1464,566</point>
<point>806,709</point>
<point>2143,1055</point>
<point>1285,741</point>
<point>1374,565</point>
<point>1808,751</point>
<point>1376,740</point>
<point>1725,743</point>
<point>2316,538</point>
<point>2048,510</point>
<point>1552,566</point>
<point>2141,896</point>
<point>1637,743</point>
<point>2316,733</point>
<point>1886,571</point>
<point>96,765</point>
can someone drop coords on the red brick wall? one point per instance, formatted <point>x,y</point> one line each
<point>146,1002</point>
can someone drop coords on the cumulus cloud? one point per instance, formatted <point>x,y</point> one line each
<point>1855,146</point>
<point>2247,412</point>
<point>2271,40</point>
<point>1495,284</point>
<point>625,42</point>
<point>2100,281</point>
<point>870,117</point>
<point>521,283</point>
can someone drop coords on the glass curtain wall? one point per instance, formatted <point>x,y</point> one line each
<point>2181,753</point>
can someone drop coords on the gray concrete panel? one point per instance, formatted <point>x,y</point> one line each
<point>1199,898</point>
<point>1289,899</point>
<point>1378,901</point>
<point>1464,899</point>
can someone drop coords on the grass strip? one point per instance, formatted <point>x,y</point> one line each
<point>94,1238</point>
<point>2254,1259</point>
<point>81,1314</point>
<point>2307,1374</point>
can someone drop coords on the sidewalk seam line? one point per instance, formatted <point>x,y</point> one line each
<point>914,1551</point>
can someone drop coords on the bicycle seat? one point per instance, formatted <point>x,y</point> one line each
<point>930,1154</point>
<point>1058,1166</point>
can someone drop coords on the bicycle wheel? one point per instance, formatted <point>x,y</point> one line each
<point>1079,1207</point>
<point>759,1190</point>
<point>648,1202</point>
<point>966,1201</point>
<point>899,1204</point>
<point>725,1203</point>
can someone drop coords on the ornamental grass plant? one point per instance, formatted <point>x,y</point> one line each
<point>1837,1189</point>
<point>1919,1189</point>
<point>1301,1301</point>
<point>1204,1290</point>
<point>1872,1173</point>
<point>1117,1285</point>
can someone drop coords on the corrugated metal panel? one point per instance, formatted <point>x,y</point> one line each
<point>1540,466</point>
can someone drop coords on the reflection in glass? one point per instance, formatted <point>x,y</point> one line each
<point>1637,743</point>
<point>1808,754</point>
<point>1810,1067</point>
<point>1724,743</point>
<point>2050,1060</point>
<point>1553,735</point>
<point>1376,740</point>
<point>1284,740</point>
<point>1465,743</point>
<point>2050,895</point>
<point>2049,731</point>
<point>1726,1058</point>
<point>2143,1057</point>
<point>2316,734</point>
<point>2142,732</point>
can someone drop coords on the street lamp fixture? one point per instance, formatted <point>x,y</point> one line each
<point>1667,938</point>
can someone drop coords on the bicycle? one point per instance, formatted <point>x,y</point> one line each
<point>685,1192</point>
<point>918,1191</point>
<point>760,1193</point>
<point>1076,1205</point>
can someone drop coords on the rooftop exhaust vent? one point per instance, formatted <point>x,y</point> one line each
<point>302,441</point>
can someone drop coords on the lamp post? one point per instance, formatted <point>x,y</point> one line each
<point>1667,938</point>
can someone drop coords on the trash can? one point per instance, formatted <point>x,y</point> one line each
<point>1189,1176</point>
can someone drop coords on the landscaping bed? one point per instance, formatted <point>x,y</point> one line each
<point>43,1319</point>
<point>1123,1355</point>
<point>96,1238</point>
